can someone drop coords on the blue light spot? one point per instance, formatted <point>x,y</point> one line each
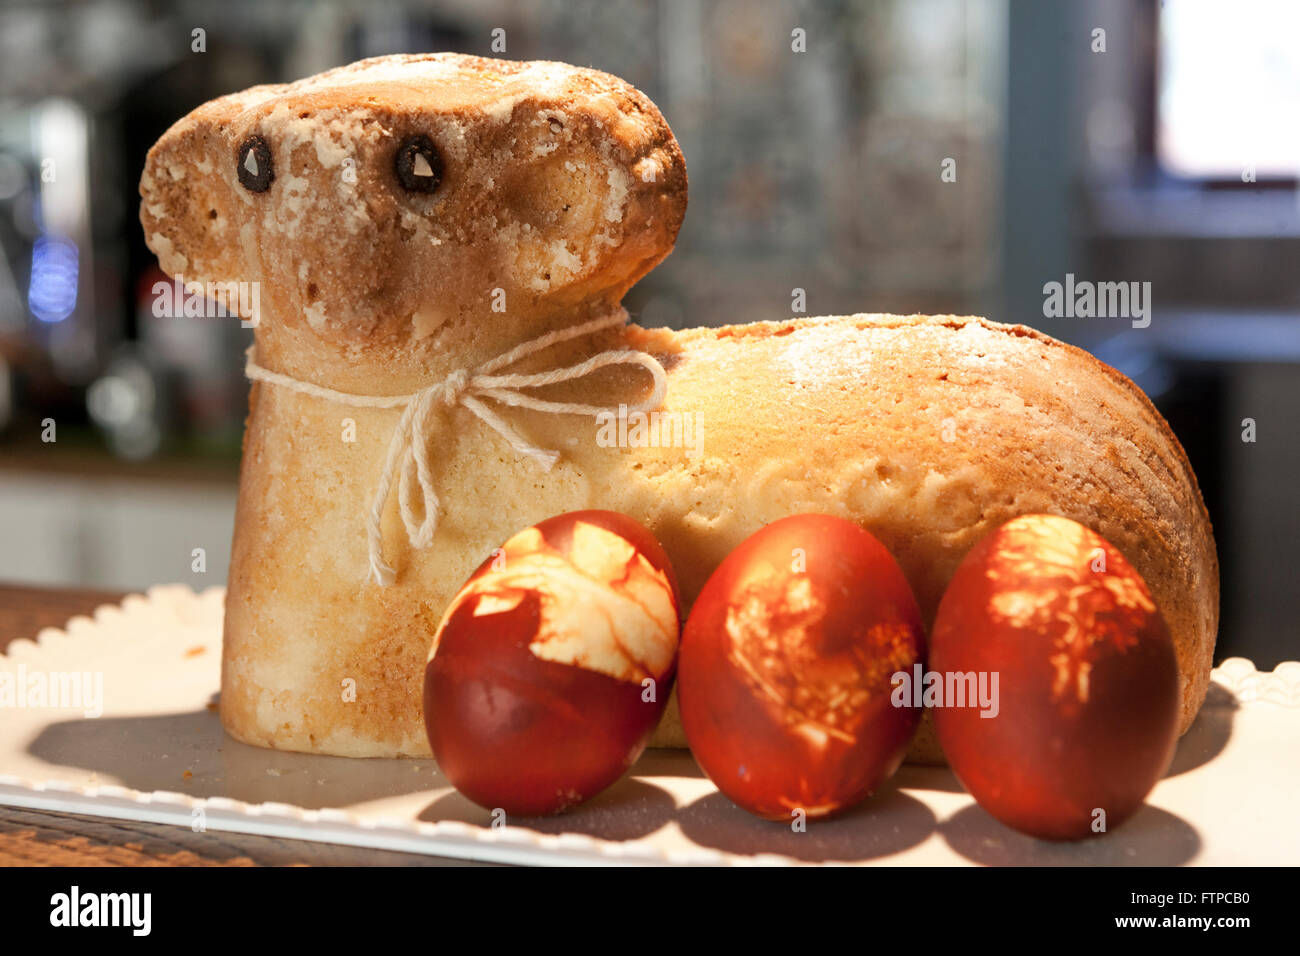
<point>52,293</point>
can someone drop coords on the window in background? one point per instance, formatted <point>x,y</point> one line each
<point>1228,95</point>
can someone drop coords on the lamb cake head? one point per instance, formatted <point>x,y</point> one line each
<point>408,203</point>
<point>412,219</point>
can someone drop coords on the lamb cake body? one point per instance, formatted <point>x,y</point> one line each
<point>413,217</point>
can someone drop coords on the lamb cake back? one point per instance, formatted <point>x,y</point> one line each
<point>411,220</point>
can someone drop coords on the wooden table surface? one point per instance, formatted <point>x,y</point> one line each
<point>43,838</point>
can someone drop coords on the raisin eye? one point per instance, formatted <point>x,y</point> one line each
<point>418,164</point>
<point>255,170</point>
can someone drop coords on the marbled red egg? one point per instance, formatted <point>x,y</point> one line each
<point>553,664</point>
<point>1087,704</point>
<point>787,666</point>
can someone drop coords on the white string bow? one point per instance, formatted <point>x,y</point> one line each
<point>408,451</point>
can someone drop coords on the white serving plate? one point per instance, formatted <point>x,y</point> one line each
<point>158,754</point>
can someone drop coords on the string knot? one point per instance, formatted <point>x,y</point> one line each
<point>408,458</point>
<point>454,387</point>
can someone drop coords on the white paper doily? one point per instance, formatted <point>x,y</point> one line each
<point>158,754</point>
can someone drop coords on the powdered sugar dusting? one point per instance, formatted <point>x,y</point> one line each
<point>828,354</point>
<point>978,347</point>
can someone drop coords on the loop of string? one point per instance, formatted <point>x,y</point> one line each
<point>408,458</point>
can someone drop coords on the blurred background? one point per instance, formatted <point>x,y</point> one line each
<point>914,156</point>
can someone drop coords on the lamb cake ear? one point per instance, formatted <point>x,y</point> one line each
<point>187,209</point>
<point>593,198</point>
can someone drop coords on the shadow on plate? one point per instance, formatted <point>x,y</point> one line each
<point>1209,733</point>
<point>155,752</point>
<point>1151,837</point>
<point>628,810</point>
<point>887,823</point>
<point>924,776</point>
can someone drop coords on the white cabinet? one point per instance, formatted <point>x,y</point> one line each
<point>113,533</point>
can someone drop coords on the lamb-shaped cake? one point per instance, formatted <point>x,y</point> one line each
<point>418,226</point>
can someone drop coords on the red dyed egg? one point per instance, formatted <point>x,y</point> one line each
<point>1087,702</point>
<point>787,659</point>
<point>553,664</point>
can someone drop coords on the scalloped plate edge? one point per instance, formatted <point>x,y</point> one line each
<point>452,839</point>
